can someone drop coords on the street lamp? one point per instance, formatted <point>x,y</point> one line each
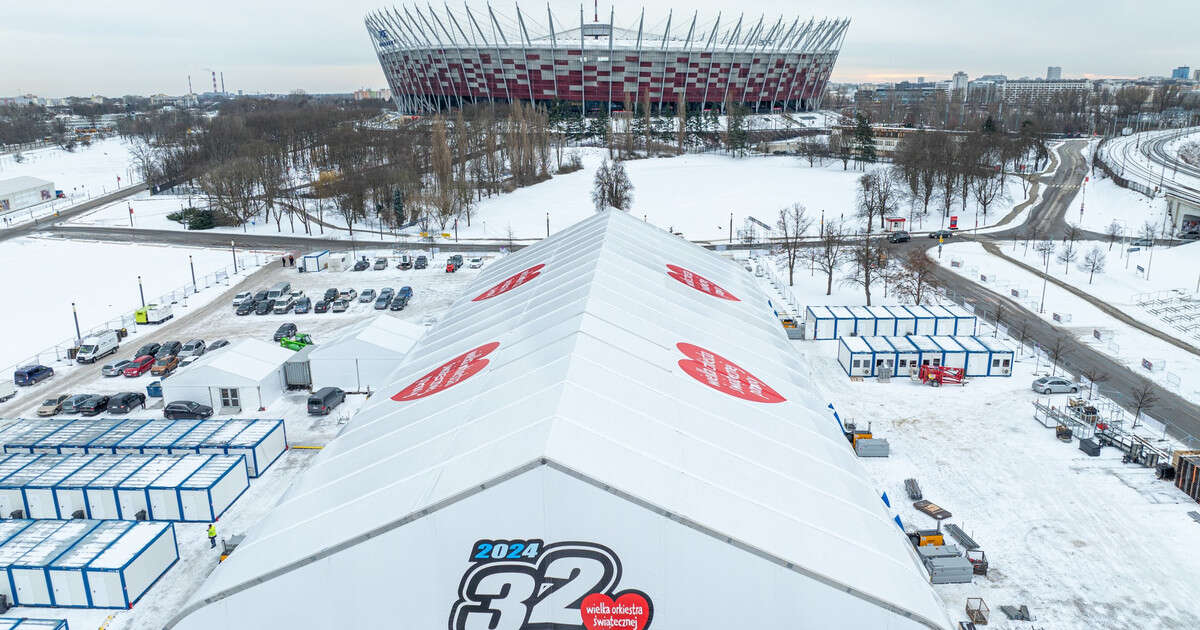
<point>75,314</point>
<point>547,223</point>
<point>193,266</point>
<point>141,292</point>
<point>1045,278</point>
<point>233,250</point>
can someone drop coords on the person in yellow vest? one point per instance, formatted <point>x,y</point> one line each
<point>212,536</point>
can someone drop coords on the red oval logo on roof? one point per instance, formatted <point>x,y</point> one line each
<point>699,283</point>
<point>511,283</point>
<point>724,375</point>
<point>448,374</point>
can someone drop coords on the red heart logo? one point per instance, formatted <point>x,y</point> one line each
<point>511,283</point>
<point>630,611</point>
<point>699,283</point>
<point>724,375</point>
<point>448,374</point>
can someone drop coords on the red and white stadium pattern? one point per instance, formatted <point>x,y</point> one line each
<point>437,60</point>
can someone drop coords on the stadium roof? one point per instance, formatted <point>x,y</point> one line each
<point>618,354</point>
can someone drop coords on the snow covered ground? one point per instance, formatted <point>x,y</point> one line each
<point>1103,202</point>
<point>81,174</point>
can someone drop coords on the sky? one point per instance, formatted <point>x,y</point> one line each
<point>57,48</point>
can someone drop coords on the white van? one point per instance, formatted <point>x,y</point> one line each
<point>279,290</point>
<point>96,346</point>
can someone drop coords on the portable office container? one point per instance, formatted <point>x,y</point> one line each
<point>30,582</point>
<point>106,444</point>
<point>191,441</point>
<point>12,503</point>
<point>885,321</point>
<point>162,494</point>
<point>23,623</point>
<point>864,321</point>
<point>14,430</point>
<point>50,444</point>
<point>119,576</point>
<point>906,322</point>
<point>132,496</point>
<point>78,443</point>
<point>135,442</point>
<point>67,585</point>
<point>953,354</point>
<point>161,443</point>
<point>214,487</point>
<point>24,442</point>
<point>855,356</point>
<point>263,442</point>
<point>40,501</point>
<point>18,545</point>
<point>218,443</point>
<point>907,355</point>
<point>925,323</point>
<point>930,352</point>
<point>843,321</point>
<point>1000,356</point>
<point>819,323</point>
<point>69,494</point>
<point>964,321</point>
<point>978,356</point>
<point>943,321</point>
<point>101,493</point>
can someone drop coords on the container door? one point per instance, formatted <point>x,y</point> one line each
<point>68,589</point>
<point>164,505</point>
<point>10,501</point>
<point>905,327</point>
<point>132,502</point>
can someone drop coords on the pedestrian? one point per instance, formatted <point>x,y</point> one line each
<point>212,536</point>
<point>283,261</point>
<point>291,260</point>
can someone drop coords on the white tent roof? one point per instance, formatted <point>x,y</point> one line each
<point>381,337</point>
<point>245,362</point>
<point>582,368</point>
<point>21,184</point>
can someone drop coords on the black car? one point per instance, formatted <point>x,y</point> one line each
<point>245,308</point>
<point>286,330</point>
<point>331,294</point>
<point>264,307</point>
<point>899,237</point>
<point>322,306</point>
<point>322,401</point>
<point>421,263</point>
<point>169,349</point>
<point>457,259</point>
<point>383,302</point>
<point>187,410</point>
<point>126,401</point>
<point>941,234</point>
<point>150,349</point>
<point>71,405</point>
<point>220,343</point>
<point>361,265</point>
<point>399,302</point>
<point>93,406</point>
<point>303,305</point>
<point>260,296</point>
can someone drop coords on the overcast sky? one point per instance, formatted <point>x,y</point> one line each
<point>83,47</point>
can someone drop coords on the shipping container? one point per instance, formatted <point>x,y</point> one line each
<point>101,493</point>
<point>261,443</point>
<point>119,576</point>
<point>210,491</point>
<point>69,494</point>
<point>65,573</point>
<point>30,583</point>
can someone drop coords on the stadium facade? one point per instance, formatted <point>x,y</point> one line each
<point>439,59</point>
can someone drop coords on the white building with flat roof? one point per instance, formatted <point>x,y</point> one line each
<point>22,192</point>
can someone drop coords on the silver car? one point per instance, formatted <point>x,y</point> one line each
<point>115,368</point>
<point>1055,385</point>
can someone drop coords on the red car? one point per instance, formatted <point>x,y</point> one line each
<point>139,366</point>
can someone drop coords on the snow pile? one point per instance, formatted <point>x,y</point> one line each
<point>1190,153</point>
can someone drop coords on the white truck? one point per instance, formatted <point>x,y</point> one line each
<point>96,346</point>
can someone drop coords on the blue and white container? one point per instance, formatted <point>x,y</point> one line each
<point>134,443</point>
<point>261,443</point>
<point>101,493</point>
<point>69,495</point>
<point>208,492</point>
<point>40,501</point>
<point>78,443</point>
<point>122,574</point>
<point>68,587</point>
<point>161,444</point>
<point>30,583</point>
<point>162,494</point>
<point>132,496</point>
<point>107,444</point>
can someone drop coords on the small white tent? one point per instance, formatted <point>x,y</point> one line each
<point>365,356</point>
<point>247,374</point>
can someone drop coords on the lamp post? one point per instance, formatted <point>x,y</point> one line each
<point>233,250</point>
<point>731,227</point>
<point>75,314</point>
<point>141,292</point>
<point>1045,278</point>
<point>547,223</point>
<point>193,266</point>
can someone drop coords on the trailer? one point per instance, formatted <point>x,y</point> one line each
<point>153,314</point>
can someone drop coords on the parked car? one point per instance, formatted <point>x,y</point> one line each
<point>283,305</point>
<point>899,236</point>
<point>1189,236</point>
<point>242,298</point>
<point>139,366</point>
<point>264,307</point>
<point>114,368</point>
<point>165,366</point>
<point>367,295</point>
<point>421,262</point>
<point>31,374</point>
<point>406,292</point>
<point>1055,385</point>
<point>169,348</point>
<point>217,345</point>
<point>380,263</point>
<point>457,259</point>
<point>93,405</point>
<point>126,402</point>
<point>387,292</point>
<point>303,305</point>
<point>339,306</point>
<point>331,294</point>
<point>322,401</point>
<point>398,303</point>
<point>383,302</point>
<point>936,234</point>
<point>187,410</point>
<point>247,307</point>
<point>475,263</point>
<point>349,295</point>
<point>52,405</point>
<point>405,262</point>
<point>193,348</point>
<point>93,347</point>
<point>296,294</point>
<point>285,330</point>
<point>361,265</point>
<point>1142,242</point>
<point>321,307</point>
<point>71,405</point>
<point>150,349</point>
<point>187,361</point>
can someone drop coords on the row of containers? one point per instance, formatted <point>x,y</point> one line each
<point>978,356</point>
<point>835,322</point>
<point>191,488</point>
<point>82,563</point>
<point>261,442</point>
<point>23,623</point>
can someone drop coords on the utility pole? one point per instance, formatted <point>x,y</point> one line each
<point>233,250</point>
<point>75,314</point>
<point>547,223</point>
<point>193,266</point>
<point>1045,278</point>
<point>141,292</point>
<point>731,226</point>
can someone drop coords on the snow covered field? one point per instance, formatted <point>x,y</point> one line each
<point>1104,201</point>
<point>91,170</point>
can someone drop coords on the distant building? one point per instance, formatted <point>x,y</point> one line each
<point>365,94</point>
<point>994,78</point>
<point>887,138</point>
<point>1038,90</point>
<point>1182,72</point>
<point>22,192</point>
<point>958,84</point>
<point>1053,73</point>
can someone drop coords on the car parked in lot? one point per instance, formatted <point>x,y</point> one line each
<point>217,345</point>
<point>421,262</point>
<point>31,374</point>
<point>349,295</point>
<point>387,292</point>
<point>52,405</point>
<point>71,405</point>
<point>296,294</point>
<point>187,410</point>
<point>303,305</point>
<point>139,366</point>
<point>475,263</point>
<point>321,307</point>
<point>150,349</point>
<point>339,306</point>
<point>324,400</point>
<point>260,296</point>
<point>169,348</point>
<point>398,303</point>
<point>93,405</point>
<point>284,330</point>
<point>361,265</point>
<point>242,298</point>
<point>1055,385</point>
<point>114,368</point>
<point>943,234</point>
<point>382,302</point>
<point>264,307</point>
<point>899,236</point>
<point>366,296</point>
<point>193,348</point>
<point>331,295</point>
<point>283,305</point>
<point>245,308</point>
<point>126,402</point>
<point>165,366</point>
<point>406,262</point>
<point>406,292</point>
<point>380,263</point>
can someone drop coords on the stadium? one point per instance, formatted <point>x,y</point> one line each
<point>439,59</point>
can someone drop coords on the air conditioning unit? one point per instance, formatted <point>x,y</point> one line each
<point>140,516</point>
<point>17,514</point>
<point>78,514</point>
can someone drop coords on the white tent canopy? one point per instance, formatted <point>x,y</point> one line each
<point>252,368</point>
<point>365,355</point>
<point>619,396</point>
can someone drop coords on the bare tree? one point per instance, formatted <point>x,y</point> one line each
<point>1046,249</point>
<point>986,190</point>
<point>1067,255</point>
<point>841,148</point>
<point>913,277</point>
<point>813,151</point>
<point>611,187</point>
<point>1057,352</point>
<point>878,197</point>
<point>868,263</point>
<point>793,224</point>
<point>1113,232</point>
<point>1095,377</point>
<point>1093,262</point>
<point>1143,399</point>
<point>830,251</point>
<point>1148,230</point>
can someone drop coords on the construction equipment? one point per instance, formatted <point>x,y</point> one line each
<point>978,560</point>
<point>227,546</point>
<point>296,342</point>
<point>926,537</point>
<point>938,375</point>
<point>871,447</point>
<point>913,490</point>
<point>854,435</point>
<point>932,509</point>
<point>977,610</point>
